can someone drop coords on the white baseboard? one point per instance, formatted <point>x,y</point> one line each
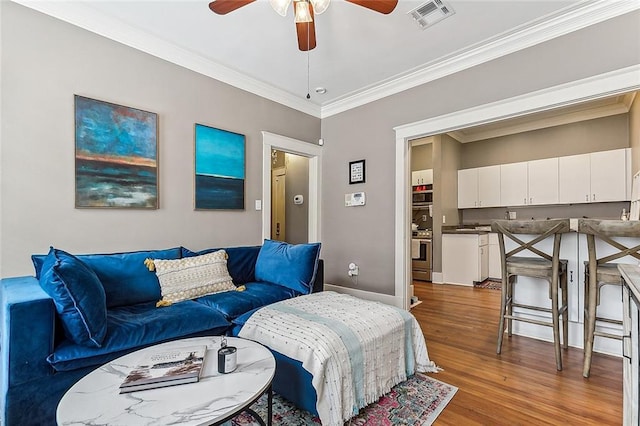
<point>367,295</point>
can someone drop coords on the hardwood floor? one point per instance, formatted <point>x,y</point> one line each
<point>519,387</point>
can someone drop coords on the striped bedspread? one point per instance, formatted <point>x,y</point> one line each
<point>356,350</point>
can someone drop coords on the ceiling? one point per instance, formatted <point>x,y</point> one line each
<point>360,56</point>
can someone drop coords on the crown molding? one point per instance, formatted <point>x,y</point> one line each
<point>85,17</point>
<point>546,28</point>
<point>541,30</point>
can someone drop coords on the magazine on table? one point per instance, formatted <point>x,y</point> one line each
<point>166,368</point>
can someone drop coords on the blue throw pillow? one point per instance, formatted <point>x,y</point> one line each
<point>124,276</point>
<point>291,266</point>
<point>78,295</point>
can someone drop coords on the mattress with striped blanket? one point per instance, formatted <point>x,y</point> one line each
<point>356,350</point>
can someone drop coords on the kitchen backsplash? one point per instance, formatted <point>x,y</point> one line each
<point>595,211</point>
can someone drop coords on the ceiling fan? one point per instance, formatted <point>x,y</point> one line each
<point>304,11</point>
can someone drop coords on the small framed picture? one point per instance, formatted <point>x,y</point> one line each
<point>356,172</point>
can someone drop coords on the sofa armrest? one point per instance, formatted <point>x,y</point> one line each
<point>28,318</point>
<point>318,283</point>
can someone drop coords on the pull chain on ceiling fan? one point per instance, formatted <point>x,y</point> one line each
<point>304,13</point>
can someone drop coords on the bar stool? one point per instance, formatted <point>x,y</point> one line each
<point>541,265</point>
<point>601,272</point>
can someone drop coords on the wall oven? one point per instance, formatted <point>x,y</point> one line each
<point>422,198</point>
<point>421,259</point>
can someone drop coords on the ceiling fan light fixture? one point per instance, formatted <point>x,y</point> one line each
<point>320,6</point>
<point>280,6</point>
<point>303,14</point>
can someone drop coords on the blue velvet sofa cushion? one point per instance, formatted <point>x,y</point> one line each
<point>125,278</point>
<point>256,294</point>
<point>78,296</point>
<point>241,262</point>
<point>138,326</point>
<point>292,266</point>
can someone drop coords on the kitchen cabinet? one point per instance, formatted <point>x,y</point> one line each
<point>465,258</point>
<point>543,181</point>
<point>422,177</point>
<point>609,175</point>
<point>529,183</point>
<point>495,264</point>
<point>513,184</point>
<point>586,178</point>
<point>467,188</point>
<point>595,177</point>
<point>479,187</point>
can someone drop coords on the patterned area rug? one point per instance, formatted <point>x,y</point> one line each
<point>416,401</point>
<point>490,284</point>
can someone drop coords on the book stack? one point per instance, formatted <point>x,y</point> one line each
<point>167,368</point>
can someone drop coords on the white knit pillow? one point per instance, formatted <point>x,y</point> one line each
<point>191,277</point>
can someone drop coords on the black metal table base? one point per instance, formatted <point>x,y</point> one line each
<point>255,415</point>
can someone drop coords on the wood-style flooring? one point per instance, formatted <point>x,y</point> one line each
<point>519,387</point>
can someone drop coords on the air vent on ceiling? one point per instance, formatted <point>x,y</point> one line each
<point>431,12</point>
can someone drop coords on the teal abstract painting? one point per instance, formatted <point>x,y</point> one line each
<point>220,173</point>
<point>116,156</point>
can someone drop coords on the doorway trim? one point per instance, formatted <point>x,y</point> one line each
<point>591,88</point>
<point>305,149</point>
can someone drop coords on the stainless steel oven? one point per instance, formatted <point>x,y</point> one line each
<point>421,257</point>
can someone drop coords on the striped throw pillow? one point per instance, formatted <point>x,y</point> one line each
<point>192,277</point>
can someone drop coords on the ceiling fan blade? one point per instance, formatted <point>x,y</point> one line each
<point>222,7</point>
<point>382,6</point>
<point>306,34</point>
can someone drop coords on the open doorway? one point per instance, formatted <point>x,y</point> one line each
<point>304,159</point>
<point>580,91</point>
<point>289,197</point>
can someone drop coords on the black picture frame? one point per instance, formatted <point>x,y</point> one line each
<point>357,172</point>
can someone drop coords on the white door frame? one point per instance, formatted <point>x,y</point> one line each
<point>600,86</point>
<point>305,149</point>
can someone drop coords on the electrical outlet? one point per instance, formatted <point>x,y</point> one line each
<point>424,217</point>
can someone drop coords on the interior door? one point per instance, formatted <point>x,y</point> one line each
<point>278,204</point>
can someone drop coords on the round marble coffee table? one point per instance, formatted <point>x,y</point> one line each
<point>216,398</point>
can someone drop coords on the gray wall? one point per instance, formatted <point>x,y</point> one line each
<point>44,63</point>
<point>297,215</point>
<point>367,132</point>
<point>421,157</point>
<point>601,134</point>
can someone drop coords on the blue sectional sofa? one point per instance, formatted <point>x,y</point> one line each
<point>50,339</point>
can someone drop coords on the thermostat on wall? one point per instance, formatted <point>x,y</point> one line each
<point>355,199</point>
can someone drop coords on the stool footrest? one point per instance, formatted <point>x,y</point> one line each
<point>609,335</point>
<point>529,320</point>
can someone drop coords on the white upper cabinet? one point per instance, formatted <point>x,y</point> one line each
<point>608,176</point>
<point>574,179</point>
<point>489,186</point>
<point>513,184</point>
<point>529,183</point>
<point>543,181</point>
<point>586,178</point>
<point>467,188</point>
<point>479,187</point>
<point>422,177</point>
<point>596,177</point>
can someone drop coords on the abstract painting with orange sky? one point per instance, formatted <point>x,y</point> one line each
<point>116,155</point>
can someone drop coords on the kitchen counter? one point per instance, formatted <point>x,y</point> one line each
<point>465,231</point>
<point>631,275</point>
<point>478,230</point>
